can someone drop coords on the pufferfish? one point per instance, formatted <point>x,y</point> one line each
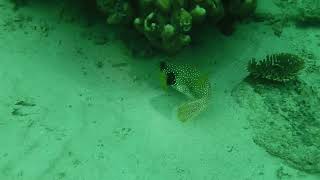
<point>189,81</point>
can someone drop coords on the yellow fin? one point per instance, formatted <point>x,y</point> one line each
<point>191,109</point>
<point>163,81</point>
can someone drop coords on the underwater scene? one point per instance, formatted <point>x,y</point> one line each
<point>159,89</point>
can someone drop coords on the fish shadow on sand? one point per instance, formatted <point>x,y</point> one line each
<point>166,104</point>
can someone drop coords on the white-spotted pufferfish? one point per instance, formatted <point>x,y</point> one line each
<point>189,81</point>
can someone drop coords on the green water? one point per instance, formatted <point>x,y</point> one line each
<point>82,100</point>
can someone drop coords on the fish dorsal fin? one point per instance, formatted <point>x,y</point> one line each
<point>203,79</point>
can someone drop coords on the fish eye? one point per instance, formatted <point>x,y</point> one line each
<point>171,78</point>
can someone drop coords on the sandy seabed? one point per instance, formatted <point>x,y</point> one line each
<point>75,104</point>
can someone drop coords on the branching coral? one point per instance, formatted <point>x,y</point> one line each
<point>167,24</point>
<point>280,67</point>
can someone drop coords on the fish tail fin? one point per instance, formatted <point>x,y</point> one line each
<point>192,109</point>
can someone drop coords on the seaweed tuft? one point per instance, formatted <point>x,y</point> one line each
<point>281,67</point>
